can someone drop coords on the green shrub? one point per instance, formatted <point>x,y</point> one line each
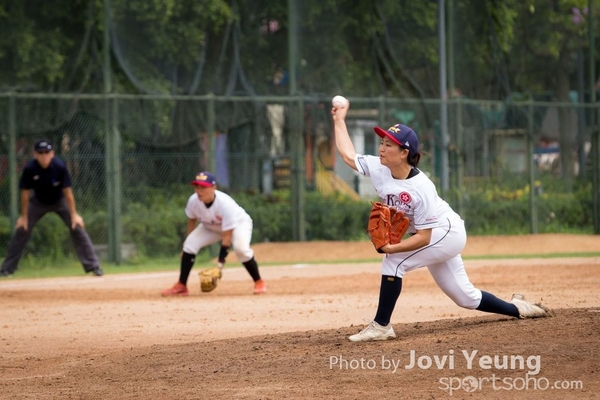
<point>497,211</point>
<point>50,240</point>
<point>326,218</point>
<point>155,231</point>
<point>336,218</point>
<point>156,222</point>
<point>5,233</point>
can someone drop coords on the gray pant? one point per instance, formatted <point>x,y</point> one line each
<point>35,212</point>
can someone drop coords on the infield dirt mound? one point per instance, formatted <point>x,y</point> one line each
<point>324,365</point>
<point>114,337</point>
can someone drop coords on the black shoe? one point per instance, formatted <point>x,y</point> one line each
<point>98,271</point>
<point>5,274</point>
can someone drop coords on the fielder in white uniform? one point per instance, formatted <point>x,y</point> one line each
<point>436,235</point>
<point>214,216</point>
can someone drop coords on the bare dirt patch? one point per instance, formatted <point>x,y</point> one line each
<point>115,338</point>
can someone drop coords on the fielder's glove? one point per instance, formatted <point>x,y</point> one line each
<point>379,225</point>
<point>398,225</point>
<point>209,278</point>
<point>386,225</point>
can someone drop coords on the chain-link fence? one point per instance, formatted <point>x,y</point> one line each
<point>132,157</point>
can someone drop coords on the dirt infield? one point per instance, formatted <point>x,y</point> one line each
<point>114,337</point>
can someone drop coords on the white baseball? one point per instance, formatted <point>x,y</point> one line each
<point>339,101</point>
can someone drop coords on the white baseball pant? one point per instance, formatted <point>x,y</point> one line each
<point>240,240</point>
<point>442,258</point>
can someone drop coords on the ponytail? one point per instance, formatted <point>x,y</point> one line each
<point>414,159</point>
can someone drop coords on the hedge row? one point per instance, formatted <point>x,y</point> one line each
<point>157,225</point>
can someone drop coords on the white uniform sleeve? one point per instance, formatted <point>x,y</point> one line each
<point>364,164</point>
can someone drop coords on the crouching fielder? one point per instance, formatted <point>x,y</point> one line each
<point>214,216</point>
<point>437,234</point>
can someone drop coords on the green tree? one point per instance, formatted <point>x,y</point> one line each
<point>160,44</point>
<point>544,59</point>
<point>40,42</point>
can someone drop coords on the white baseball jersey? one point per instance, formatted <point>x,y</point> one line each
<point>224,214</point>
<point>418,199</point>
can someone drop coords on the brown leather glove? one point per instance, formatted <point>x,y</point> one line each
<point>398,226</point>
<point>379,225</point>
<point>209,279</point>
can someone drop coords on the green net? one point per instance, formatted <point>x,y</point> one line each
<point>243,88</point>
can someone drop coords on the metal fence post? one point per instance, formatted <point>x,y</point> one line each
<point>444,137</point>
<point>460,159</point>
<point>12,161</point>
<point>118,193</point>
<point>112,188</point>
<point>298,177</point>
<point>531,165</point>
<point>594,119</point>
<point>111,159</point>
<point>210,128</point>
<point>596,169</point>
<point>108,178</point>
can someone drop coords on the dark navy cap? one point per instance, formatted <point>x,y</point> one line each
<point>205,179</point>
<point>43,145</point>
<point>402,135</point>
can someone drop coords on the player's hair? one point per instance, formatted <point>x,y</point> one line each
<point>414,159</point>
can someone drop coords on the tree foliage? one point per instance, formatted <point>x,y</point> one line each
<point>384,47</point>
<point>39,42</point>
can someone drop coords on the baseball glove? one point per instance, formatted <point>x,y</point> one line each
<point>386,225</point>
<point>379,225</point>
<point>398,225</point>
<point>209,278</point>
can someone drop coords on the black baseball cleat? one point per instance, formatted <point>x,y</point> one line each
<point>5,274</point>
<point>97,271</point>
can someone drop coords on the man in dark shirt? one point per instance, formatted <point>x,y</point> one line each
<point>46,187</point>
